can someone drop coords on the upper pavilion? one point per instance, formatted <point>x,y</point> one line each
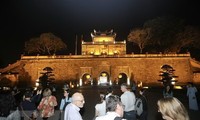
<point>103,43</point>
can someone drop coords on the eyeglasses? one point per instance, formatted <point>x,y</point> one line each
<point>82,101</point>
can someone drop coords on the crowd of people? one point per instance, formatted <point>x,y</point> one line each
<point>42,104</point>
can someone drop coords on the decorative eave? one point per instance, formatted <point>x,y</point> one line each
<point>103,34</point>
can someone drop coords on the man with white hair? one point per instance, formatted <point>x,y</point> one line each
<point>72,109</point>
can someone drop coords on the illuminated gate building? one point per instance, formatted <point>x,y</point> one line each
<point>103,61</point>
<point>103,43</point>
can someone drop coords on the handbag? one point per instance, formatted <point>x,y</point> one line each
<point>35,114</point>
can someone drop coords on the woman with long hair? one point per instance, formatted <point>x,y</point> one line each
<point>172,109</point>
<point>100,107</point>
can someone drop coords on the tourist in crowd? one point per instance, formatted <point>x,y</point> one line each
<point>167,92</point>
<point>128,99</point>
<point>100,107</point>
<point>54,89</point>
<point>114,108</point>
<point>109,91</point>
<point>141,96</point>
<point>8,108</point>
<point>17,94</point>
<point>28,106</point>
<point>47,104</point>
<point>72,109</point>
<point>191,93</point>
<point>134,87</point>
<point>172,109</point>
<point>64,102</point>
<point>65,86</point>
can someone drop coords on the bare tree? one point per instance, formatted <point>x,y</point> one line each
<point>33,46</point>
<point>47,43</point>
<point>140,36</point>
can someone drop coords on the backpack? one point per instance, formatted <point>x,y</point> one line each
<point>139,106</point>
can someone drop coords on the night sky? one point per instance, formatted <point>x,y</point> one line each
<point>24,19</point>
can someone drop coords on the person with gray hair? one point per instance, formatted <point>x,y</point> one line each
<point>114,109</point>
<point>72,109</point>
<point>128,99</point>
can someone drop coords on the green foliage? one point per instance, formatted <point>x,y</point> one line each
<point>47,43</point>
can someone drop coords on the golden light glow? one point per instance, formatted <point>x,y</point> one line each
<point>37,80</point>
<point>103,39</point>
<point>110,53</point>
<point>80,82</point>
<point>178,87</point>
<point>37,84</point>
<point>120,76</point>
<point>97,53</point>
<point>87,76</point>
<point>140,84</point>
<point>173,83</point>
<point>103,74</point>
<point>91,52</point>
<point>115,51</point>
<point>145,87</point>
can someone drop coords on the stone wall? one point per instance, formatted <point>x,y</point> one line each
<point>145,69</point>
<point>196,78</point>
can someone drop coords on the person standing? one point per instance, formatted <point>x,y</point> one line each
<point>72,109</point>
<point>64,102</point>
<point>100,107</point>
<point>134,87</point>
<point>109,92</point>
<point>114,108</point>
<point>128,99</point>
<point>144,113</point>
<point>28,105</point>
<point>8,108</point>
<point>47,104</point>
<point>191,93</point>
<point>167,92</point>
